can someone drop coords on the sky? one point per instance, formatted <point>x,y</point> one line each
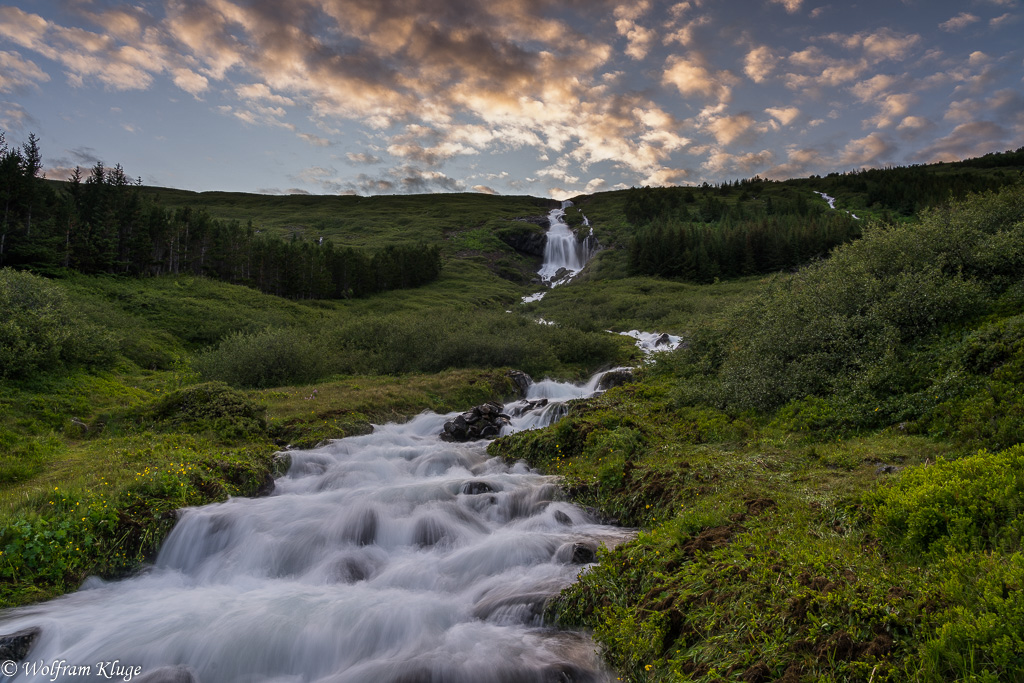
<point>549,98</point>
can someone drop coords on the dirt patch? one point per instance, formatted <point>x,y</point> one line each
<point>756,506</point>
<point>709,539</point>
<point>759,673</point>
<point>879,647</point>
<point>839,646</point>
<point>792,674</point>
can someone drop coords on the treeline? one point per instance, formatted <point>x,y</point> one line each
<point>104,224</point>
<point>701,252</point>
<point>681,235</point>
<point>908,190</point>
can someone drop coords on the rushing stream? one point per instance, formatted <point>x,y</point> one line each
<point>393,557</point>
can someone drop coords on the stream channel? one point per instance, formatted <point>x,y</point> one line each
<point>393,557</point>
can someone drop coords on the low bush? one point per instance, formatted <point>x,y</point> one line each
<point>973,503</point>
<point>212,406</point>
<point>268,358</point>
<point>40,329</point>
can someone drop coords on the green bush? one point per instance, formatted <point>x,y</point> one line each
<point>269,358</point>
<point>40,329</point>
<point>975,502</point>
<point>854,324</point>
<point>979,636</point>
<point>212,406</point>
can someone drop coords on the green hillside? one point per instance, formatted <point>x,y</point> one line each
<point>826,475</point>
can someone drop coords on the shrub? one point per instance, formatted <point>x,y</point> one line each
<point>848,324</point>
<point>212,405</point>
<point>975,502</point>
<point>269,358</point>
<point>40,329</point>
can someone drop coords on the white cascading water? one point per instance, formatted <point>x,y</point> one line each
<point>564,255</point>
<point>393,557</point>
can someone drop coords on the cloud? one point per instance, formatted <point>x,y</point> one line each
<point>1002,20</point>
<point>759,63</point>
<point>913,127</point>
<point>792,6</point>
<point>406,179</point>
<point>315,140</point>
<point>17,73</point>
<point>966,140</point>
<point>749,164</point>
<point>639,38</point>
<point>483,189</point>
<point>784,115</point>
<point>800,161</point>
<point>362,158</point>
<point>729,129</point>
<point>189,81</point>
<point>958,22</point>
<point>12,116</point>
<point>692,78</point>
<point>867,151</point>
<point>260,92</point>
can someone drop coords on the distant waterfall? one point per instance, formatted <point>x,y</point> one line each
<point>564,254</point>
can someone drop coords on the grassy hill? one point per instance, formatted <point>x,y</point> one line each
<point>826,475</point>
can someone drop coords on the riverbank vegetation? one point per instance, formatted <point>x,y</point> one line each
<point>825,475</point>
<point>827,481</point>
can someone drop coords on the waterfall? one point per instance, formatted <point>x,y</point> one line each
<point>392,557</point>
<point>564,254</point>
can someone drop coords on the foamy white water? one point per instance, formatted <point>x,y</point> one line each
<point>392,557</point>
<point>564,255</point>
<point>654,342</point>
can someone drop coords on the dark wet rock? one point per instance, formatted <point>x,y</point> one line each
<point>560,273</point>
<point>168,674</point>
<point>615,378</point>
<point>521,380</point>
<point>527,606</point>
<point>563,518</point>
<point>529,241</point>
<point>482,422</point>
<point>577,553</point>
<point>16,646</point>
<point>663,340</point>
<point>429,532</point>
<point>267,487</point>
<point>583,553</point>
<point>473,488</point>
<point>351,570</point>
<point>364,530</point>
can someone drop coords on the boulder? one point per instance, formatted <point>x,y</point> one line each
<point>615,378</point>
<point>474,488</point>
<point>521,380</point>
<point>529,241</point>
<point>15,646</point>
<point>482,422</point>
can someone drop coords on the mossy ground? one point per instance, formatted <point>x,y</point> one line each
<point>759,557</point>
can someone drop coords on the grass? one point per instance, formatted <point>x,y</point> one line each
<point>752,562</point>
<point>362,221</point>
